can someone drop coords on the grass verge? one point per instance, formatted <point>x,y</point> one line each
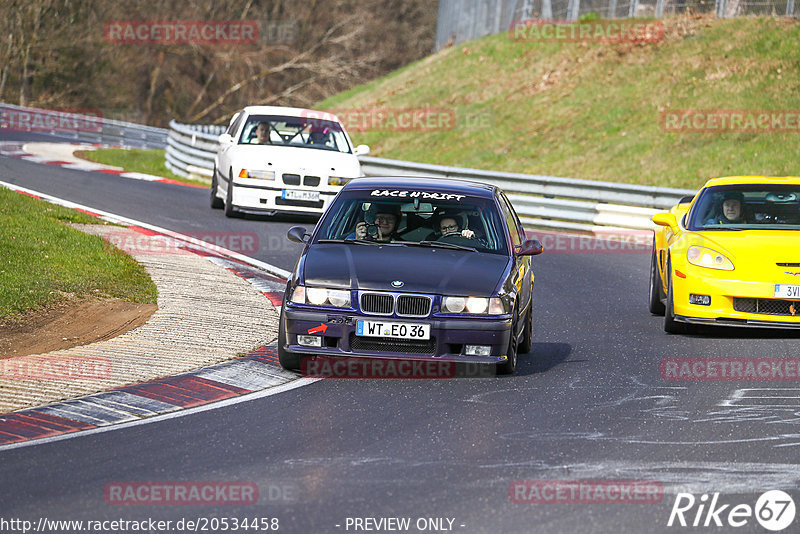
<point>44,261</point>
<point>593,110</point>
<point>137,160</point>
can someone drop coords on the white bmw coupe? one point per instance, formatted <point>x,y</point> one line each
<point>279,159</point>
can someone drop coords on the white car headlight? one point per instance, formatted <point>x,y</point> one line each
<point>320,296</point>
<point>473,305</point>
<point>259,175</point>
<point>706,257</point>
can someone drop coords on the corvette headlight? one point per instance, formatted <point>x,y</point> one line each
<point>473,305</point>
<point>320,296</point>
<point>706,257</point>
<point>259,175</point>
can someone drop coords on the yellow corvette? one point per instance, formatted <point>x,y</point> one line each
<point>729,256</point>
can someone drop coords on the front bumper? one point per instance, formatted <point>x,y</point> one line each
<point>723,291</point>
<point>258,196</point>
<point>448,336</point>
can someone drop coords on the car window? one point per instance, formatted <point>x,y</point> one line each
<point>235,124</point>
<point>514,228</point>
<point>747,207</point>
<point>299,132</point>
<point>426,216</point>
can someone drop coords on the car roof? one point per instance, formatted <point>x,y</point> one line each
<point>427,183</point>
<point>754,180</point>
<point>290,112</point>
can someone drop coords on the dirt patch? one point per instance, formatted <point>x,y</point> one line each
<point>70,324</point>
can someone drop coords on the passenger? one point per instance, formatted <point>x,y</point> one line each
<point>384,228</point>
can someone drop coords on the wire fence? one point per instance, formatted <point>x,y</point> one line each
<point>464,20</point>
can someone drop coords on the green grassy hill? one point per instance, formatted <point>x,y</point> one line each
<point>593,110</point>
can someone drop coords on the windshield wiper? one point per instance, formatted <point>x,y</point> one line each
<point>442,244</point>
<point>352,240</point>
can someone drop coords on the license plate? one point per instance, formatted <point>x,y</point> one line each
<point>785,291</point>
<point>294,194</point>
<point>395,330</point>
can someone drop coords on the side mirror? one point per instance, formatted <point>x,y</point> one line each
<point>225,139</point>
<point>297,234</point>
<point>531,247</point>
<point>361,150</point>
<point>666,219</point>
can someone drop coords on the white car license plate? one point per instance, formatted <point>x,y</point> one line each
<point>396,330</point>
<point>294,194</point>
<point>785,291</point>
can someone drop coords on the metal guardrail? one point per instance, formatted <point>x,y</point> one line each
<point>81,127</point>
<point>541,201</point>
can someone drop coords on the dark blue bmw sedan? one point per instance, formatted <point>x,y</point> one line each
<point>412,269</point>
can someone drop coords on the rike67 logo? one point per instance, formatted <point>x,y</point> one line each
<point>774,510</point>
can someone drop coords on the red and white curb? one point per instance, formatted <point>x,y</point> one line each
<point>16,149</point>
<point>258,373</point>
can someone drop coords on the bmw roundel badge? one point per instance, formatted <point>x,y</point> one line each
<point>397,283</point>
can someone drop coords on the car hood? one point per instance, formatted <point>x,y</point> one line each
<point>422,270</point>
<point>757,246</point>
<point>294,159</point>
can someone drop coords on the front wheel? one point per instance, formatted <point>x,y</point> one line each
<point>289,360</point>
<point>508,366</point>
<point>216,202</point>
<point>671,326</point>
<point>656,290</point>
<point>229,209</point>
<point>527,336</point>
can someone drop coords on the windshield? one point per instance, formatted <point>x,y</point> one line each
<point>301,132</point>
<point>747,207</point>
<point>417,218</point>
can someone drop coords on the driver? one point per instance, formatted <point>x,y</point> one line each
<point>262,134</point>
<point>449,226</point>
<point>731,208</point>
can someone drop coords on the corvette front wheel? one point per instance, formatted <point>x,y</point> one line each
<point>671,326</point>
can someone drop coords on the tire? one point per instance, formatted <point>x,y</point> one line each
<point>229,209</point>
<point>289,360</point>
<point>656,293</point>
<point>507,367</point>
<point>216,203</point>
<point>671,326</point>
<point>527,335</point>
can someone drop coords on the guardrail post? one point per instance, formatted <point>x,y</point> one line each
<point>659,9</point>
<point>632,8</point>
<point>547,10</point>
<point>573,8</point>
<point>790,8</point>
<point>612,9</point>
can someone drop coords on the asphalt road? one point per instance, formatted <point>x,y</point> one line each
<point>588,403</point>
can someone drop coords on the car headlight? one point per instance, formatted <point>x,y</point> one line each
<point>259,175</point>
<point>338,180</point>
<point>473,305</point>
<point>706,257</point>
<point>320,296</point>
